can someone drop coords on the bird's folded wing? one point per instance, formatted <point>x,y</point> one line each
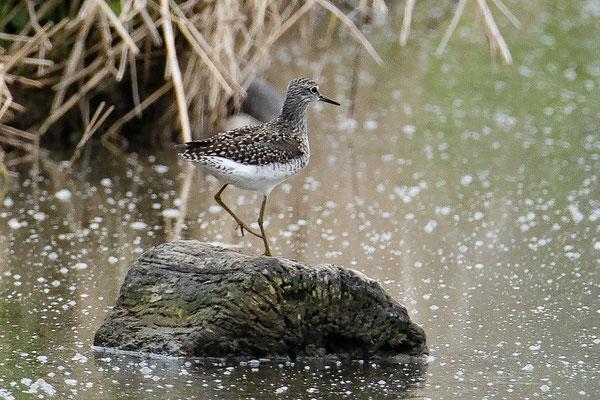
<point>251,145</point>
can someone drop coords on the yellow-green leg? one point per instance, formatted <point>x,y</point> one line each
<point>240,223</point>
<point>262,229</point>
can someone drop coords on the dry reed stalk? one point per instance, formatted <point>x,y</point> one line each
<point>17,138</point>
<point>23,80</point>
<point>511,17</point>
<point>106,37</point>
<point>135,91</point>
<point>16,106</point>
<point>495,38</point>
<point>14,38</point>
<point>47,45</point>
<point>494,35</point>
<point>6,99</point>
<point>91,127</point>
<point>268,42</point>
<point>406,21</point>
<point>73,61</point>
<point>175,72</point>
<point>4,172</point>
<point>5,96</point>
<point>199,45</point>
<point>116,23</point>
<point>66,106</point>
<point>149,24</point>
<point>453,23</point>
<point>352,28</point>
<point>67,81</point>
<point>379,6</point>
<point>30,45</point>
<point>114,128</point>
<point>30,61</point>
<point>362,12</point>
<point>184,195</point>
<point>45,8</point>
<point>18,133</point>
<point>122,64</point>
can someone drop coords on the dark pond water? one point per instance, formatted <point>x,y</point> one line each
<point>469,191</point>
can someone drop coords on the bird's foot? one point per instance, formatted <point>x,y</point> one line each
<point>244,228</point>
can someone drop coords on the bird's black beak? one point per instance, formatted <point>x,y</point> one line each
<point>326,100</point>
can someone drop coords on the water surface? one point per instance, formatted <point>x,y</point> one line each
<point>469,191</point>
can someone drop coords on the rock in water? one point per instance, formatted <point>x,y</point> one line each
<point>188,298</point>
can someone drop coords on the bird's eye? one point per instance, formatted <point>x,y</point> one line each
<point>313,90</point>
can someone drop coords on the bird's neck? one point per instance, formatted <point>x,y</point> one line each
<point>293,114</point>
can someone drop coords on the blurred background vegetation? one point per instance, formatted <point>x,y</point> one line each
<point>151,72</point>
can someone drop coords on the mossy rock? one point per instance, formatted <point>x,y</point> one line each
<point>188,298</point>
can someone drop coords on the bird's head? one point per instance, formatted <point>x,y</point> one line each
<point>306,91</point>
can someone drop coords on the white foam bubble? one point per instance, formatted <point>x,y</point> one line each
<point>138,225</point>
<point>171,213</point>
<point>63,194</point>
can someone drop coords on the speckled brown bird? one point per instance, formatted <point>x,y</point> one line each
<point>260,157</point>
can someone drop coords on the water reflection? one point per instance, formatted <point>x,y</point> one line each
<point>260,378</point>
<point>472,195</point>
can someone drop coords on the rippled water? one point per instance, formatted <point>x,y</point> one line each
<point>469,191</point>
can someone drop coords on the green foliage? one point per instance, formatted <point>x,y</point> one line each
<point>58,13</point>
<point>75,137</point>
<point>115,5</point>
<point>18,22</point>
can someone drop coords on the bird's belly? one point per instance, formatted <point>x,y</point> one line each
<point>260,178</point>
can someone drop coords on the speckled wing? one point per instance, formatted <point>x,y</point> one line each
<point>250,145</point>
